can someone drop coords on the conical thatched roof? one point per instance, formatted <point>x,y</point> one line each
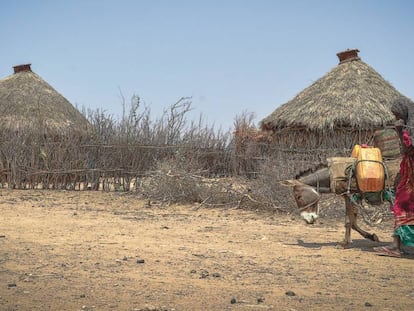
<point>351,95</point>
<point>27,103</point>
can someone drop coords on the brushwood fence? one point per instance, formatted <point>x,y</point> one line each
<point>73,164</point>
<point>100,166</point>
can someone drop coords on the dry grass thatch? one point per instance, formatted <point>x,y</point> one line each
<point>352,95</point>
<point>28,103</point>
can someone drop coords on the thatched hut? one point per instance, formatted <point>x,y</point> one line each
<point>40,132</point>
<point>339,110</point>
<point>30,104</point>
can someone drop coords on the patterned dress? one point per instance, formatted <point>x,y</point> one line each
<point>403,207</point>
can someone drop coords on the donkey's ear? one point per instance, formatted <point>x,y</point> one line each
<point>290,182</point>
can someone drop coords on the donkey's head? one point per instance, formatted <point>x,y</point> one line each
<point>307,199</point>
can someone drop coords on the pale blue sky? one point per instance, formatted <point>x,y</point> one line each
<point>230,56</point>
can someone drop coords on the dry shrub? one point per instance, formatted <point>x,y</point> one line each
<point>171,183</point>
<point>251,145</point>
<point>268,188</point>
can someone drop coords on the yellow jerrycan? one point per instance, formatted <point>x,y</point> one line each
<point>370,172</point>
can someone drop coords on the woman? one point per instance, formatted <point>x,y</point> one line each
<point>403,207</point>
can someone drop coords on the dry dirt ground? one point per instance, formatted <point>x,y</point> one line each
<point>64,250</point>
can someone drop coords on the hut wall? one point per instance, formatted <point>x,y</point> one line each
<point>298,150</point>
<point>339,141</point>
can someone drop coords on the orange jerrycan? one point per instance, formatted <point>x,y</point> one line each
<point>370,173</point>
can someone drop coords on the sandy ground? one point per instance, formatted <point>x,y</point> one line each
<point>64,250</point>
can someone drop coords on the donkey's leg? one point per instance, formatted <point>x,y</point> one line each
<point>352,210</point>
<point>349,216</point>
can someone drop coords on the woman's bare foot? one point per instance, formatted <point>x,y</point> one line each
<point>391,251</point>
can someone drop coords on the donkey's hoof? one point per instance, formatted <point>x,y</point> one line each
<point>375,238</point>
<point>342,244</point>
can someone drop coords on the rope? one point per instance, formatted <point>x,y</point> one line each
<point>351,169</point>
<point>387,193</point>
<point>317,182</point>
<point>360,208</point>
<point>306,206</point>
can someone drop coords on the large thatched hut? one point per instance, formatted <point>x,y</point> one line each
<point>30,104</point>
<point>339,110</point>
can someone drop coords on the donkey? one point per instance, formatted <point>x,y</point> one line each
<point>307,197</point>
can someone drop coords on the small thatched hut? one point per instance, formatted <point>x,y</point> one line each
<point>341,109</point>
<point>28,103</point>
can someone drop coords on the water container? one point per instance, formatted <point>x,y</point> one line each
<point>388,142</point>
<point>369,169</point>
<point>355,151</point>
